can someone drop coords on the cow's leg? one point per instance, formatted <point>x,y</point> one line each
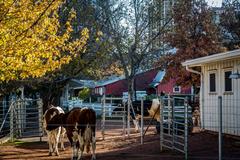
<point>62,134</point>
<point>75,146</point>
<point>136,124</point>
<point>93,146</point>
<point>50,144</point>
<point>74,151</point>
<point>50,148</point>
<point>81,143</point>
<point>56,140</point>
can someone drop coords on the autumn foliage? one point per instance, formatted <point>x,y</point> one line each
<point>194,35</point>
<point>31,41</point>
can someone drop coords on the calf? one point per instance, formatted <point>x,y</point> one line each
<point>53,134</point>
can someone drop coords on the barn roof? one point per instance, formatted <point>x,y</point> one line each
<point>158,78</point>
<point>212,58</point>
<point>109,80</point>
<point>78,84</point>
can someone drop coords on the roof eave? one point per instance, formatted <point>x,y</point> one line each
<point>213,58</point>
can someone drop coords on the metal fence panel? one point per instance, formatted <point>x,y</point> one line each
<point>21,118</point>
<point>175,120</point>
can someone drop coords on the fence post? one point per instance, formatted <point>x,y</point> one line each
<point>161,124</point>
<point>11,121</point>
<point>103,116</point>
<point>174,129</point>
<point>40,117</point>
<point>124,121</point>
<point>169,113</point>
<point>186,128</point>
<point>128,115</point>
<point>220,127</point>
<point>142,120</point>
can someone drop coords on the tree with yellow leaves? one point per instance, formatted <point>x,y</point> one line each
<point>31,41</point>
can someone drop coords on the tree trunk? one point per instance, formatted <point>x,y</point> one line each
<point>130,99</point>
<point>130,87</point>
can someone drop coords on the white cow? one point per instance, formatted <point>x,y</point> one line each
<point>154,111</point>
<point>56,133</point>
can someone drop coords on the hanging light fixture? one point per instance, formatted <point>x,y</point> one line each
<point>235,75</point>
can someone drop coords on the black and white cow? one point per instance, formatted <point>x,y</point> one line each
<point>80,127</point>
<point>56,134</point>
<point>136,106</point>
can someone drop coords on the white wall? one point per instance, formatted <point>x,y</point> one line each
<point>231,100</point>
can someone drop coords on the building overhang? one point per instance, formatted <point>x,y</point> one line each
<point>212,58</point>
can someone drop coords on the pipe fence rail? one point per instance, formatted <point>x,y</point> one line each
<point>21,118</point>
<point>175,116</point>
<point>113,116</point>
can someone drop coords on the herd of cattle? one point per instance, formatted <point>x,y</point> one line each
<point>79,125</point>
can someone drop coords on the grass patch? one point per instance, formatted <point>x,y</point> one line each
<point>19,143</point>
<point>12,143</point>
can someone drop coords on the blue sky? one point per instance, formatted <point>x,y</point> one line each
<point>216,3</point>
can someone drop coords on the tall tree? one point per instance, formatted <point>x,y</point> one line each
<point>194,34</point>
<point>230,27</point>
<point>31,42</point>
<point>128,30</point>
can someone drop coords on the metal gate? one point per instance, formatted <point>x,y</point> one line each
<point>113,117</point>
<point>175,123</point>
<point>22,119</point>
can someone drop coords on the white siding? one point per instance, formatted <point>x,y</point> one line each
<point>231,100</point>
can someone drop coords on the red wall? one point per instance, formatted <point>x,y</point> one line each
<point>144,79</point>
<point>142,82</point>
<point>116,88</point>
<point>167,87</point>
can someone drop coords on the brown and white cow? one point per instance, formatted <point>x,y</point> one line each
<point>80,127</point>
<point>55,134</point>
<point>86,131</point>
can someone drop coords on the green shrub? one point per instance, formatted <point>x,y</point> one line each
<point>84,93</point>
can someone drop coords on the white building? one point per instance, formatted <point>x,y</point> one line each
<point>215,71</point>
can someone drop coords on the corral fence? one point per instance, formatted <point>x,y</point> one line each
<point>221,114</point>
<point>113,119</point>
<point>176,120</point>
<point>111,115</point>
<point>21,118</point>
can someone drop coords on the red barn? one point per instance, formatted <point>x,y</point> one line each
<point>170,87</point>
<point>115,86</point>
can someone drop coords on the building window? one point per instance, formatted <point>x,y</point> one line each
<point>212,82</point>
<point>176,89</point>
<point>228,81</point>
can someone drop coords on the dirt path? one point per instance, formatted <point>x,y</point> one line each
<point>201,146</point>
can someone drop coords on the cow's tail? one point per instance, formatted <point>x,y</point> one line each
<point>88,137</point>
